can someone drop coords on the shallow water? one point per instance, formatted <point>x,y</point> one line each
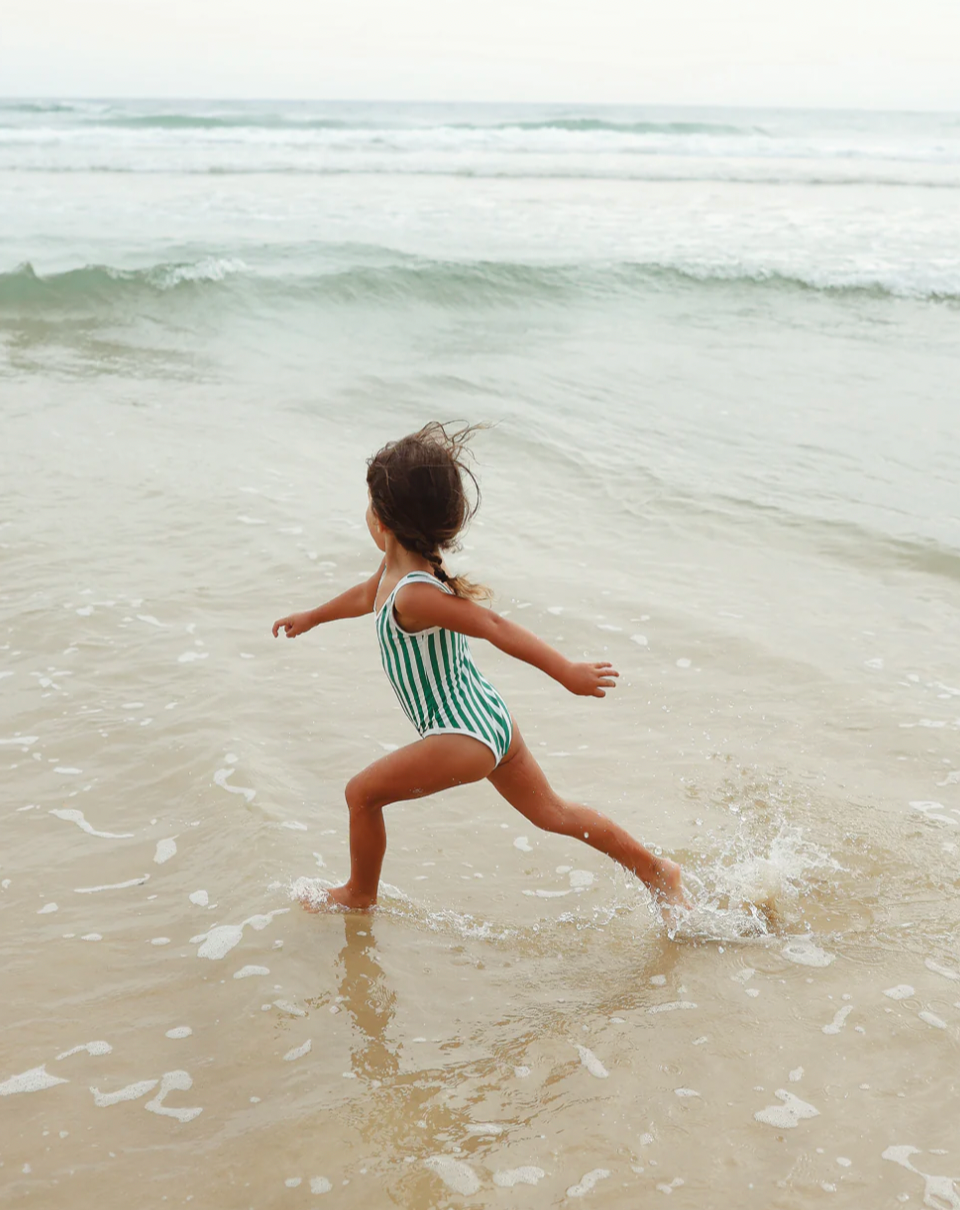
<point>726,460</point>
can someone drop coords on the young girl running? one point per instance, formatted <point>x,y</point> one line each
<point>418,504</point>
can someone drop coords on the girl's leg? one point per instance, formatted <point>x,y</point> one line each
<point>522,783</point>
<point>425,767</point>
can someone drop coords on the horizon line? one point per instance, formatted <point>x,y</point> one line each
<point>278,100</point>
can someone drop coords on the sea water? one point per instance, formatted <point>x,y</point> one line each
<point>720,355</point>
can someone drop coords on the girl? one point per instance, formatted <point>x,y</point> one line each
<point>418,504</point>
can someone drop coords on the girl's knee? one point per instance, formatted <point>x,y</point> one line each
<point>357,794</point>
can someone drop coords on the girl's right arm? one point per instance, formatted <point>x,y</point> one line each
<point>353,603</point>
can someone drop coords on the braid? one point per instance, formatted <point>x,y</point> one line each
<point>438,568</point>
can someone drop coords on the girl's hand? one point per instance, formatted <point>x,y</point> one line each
<point>296,623</point>
<point>589,680</point>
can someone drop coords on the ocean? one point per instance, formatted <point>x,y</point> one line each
<point>719,355</point>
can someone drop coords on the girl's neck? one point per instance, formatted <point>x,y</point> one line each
<point>400,561</point>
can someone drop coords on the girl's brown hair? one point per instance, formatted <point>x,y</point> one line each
<point>418,488</point>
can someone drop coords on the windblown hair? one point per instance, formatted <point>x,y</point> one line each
<point>419,491</point>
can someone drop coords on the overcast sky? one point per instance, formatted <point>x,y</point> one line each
<point>860,53</point>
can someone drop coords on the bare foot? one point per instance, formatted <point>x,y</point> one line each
<point>341,897</point>
<point>668,892</point>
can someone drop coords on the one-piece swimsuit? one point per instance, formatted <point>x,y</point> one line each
<point>436,680</point>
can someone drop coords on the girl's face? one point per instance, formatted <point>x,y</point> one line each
<point>377,532</point>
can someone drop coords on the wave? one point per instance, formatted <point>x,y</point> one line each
<point>93,284</point>
<point>414,279</point>
<point>697,172</point>
<point>397,118</point>
<point>278,121</point>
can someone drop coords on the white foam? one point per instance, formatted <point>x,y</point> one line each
<point>876,663</point>
<point>112,886</point>
<point>506,1178</point>
<point>246,971</point>
<point>903,991</point>
<point>484,1129</point>
<point>310,891</point>
<point>179,1031</point>
<point>796,1075</point>
<point>934,810</point>
<point>686,1092</point>
<point>787,1115</point>
<point>165,850</point>
<point>173,1081</point>
<point>25,741</point>
<point>658,980</point>
<point>188,657</point>
<point>221,778</point>
<point>805,952</point>
<point>539,894</point>
<point>222,939</point>
<point>132,1092</point>
<point>92,937</point>
<point>34,1080</point>
<point>587,1182</point>
<point>298,1052</point>
<point>293,1182</point>
<point>92,1048</point>
<point>455,1174</point>
<point>150,620</point>
<point>673,1006</point>
<point>77,817</point>
<point>839,1017</point>
<point>285,1006</point>
<point>200,898</point>
<point>932,1019</point>
<point>939,1191</point>
<point>47,909</point>
<point>676,1183</point>
<point>581,879</point>
<point>522,1072</point>
<point>523,844</point>
<point>592,1063</point>
<point>940,970</point>
<point>294,825</point>
<point>640,640</point>
<point>159,940</point>
<point>319,1184</point>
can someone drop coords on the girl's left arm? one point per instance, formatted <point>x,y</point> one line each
<point>420,606</point>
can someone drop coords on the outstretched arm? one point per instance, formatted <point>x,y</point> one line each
<point>419,606</point>
<point>353,603</point>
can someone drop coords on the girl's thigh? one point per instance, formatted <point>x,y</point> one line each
<point>425,767</point>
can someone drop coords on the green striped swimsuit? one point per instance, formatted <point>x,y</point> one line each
<point>436,681</point>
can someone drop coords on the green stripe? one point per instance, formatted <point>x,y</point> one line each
<point>471,687</point>
<point>468,704</point>
<point>397,680</point>
<point>433,710</point>
<point>491,697</point>
<point>394,676</point>
<point>446,638</point>
<point>405,651</point>
<point>438,677</point>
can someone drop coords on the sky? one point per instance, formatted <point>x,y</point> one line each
<point>844,53</point>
